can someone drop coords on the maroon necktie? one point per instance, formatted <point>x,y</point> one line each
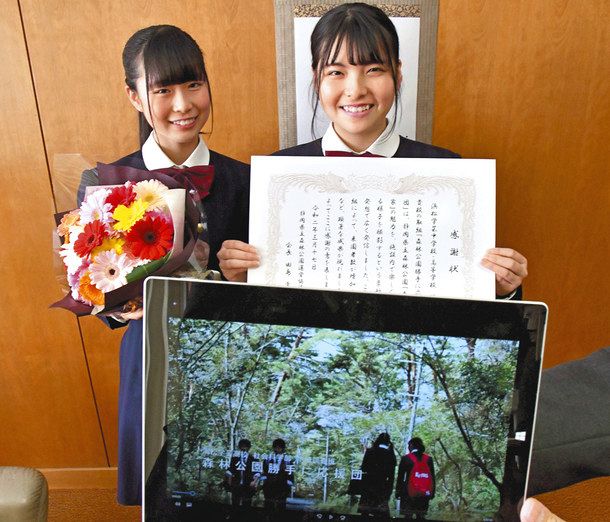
<point>367,154</point>
<point>198,178</point>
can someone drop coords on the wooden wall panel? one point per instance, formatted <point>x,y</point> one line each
<point>586,501</point>
<point>46,405</point>
<point>528,82</point>
<point>76,61</point>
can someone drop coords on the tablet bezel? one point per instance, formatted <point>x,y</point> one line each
<point>519,320</point>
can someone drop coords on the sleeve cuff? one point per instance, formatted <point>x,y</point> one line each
<point>507,297</point>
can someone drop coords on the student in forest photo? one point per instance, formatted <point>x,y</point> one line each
<point>167,83</point>
<point>277,477</point>
<point>356,80</point>
<point>378,468</point>
<point>241,478</point>
<point>415,482</point>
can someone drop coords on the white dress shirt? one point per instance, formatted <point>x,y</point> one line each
<point>385,145</point>
<point>155,158</point>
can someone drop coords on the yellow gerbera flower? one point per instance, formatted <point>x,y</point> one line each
<point>109,243</point>
<point>126,217</point>
<point>152,192</point>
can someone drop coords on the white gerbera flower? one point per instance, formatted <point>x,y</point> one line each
<point>151,192</point>
<point>95,207</point>
<point>70,258</point>
<point>109,270</point>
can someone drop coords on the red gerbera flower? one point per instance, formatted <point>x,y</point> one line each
<point>150,238</point>
<point>123,195</point>
<point>91,237</point>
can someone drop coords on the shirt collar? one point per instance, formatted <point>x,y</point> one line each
<point>386,145</point>
<point>155,158</point>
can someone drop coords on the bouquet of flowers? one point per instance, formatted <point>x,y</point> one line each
<point>121,234</point>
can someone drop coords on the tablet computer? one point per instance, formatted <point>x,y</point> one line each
<point>270,403</point>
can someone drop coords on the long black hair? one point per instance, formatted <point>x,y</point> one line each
<point>369,36</point>
<point>166,55</point>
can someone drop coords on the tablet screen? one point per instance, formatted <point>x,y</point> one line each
<point>306,420</point>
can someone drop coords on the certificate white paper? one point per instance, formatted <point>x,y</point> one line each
<point>391,225</point>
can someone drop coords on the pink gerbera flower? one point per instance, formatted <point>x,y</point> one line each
<point>74,280</point>
<point>109,270</point>
<point>95,208</point>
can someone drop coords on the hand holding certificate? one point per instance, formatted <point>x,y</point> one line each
<point>398,225</point>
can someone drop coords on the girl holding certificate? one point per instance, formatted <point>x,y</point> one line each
<point>167,83</point>
<point>356,78</point>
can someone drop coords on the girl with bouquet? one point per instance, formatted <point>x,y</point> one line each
<point>167,83</point>
<point>356,79</point>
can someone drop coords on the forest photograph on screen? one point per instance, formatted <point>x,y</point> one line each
<point>287,417</point>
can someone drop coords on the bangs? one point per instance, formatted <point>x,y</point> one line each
<point>363,45</point>
<point>362,48</point>
<point>170,58</point>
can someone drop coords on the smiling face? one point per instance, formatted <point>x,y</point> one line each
<point>357,98</point>
<point>176,112</point>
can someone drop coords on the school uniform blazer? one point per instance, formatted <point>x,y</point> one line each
<point>226,207</point>
<point>406,149</point>
<point>276,485</point>
<point>242,478</point>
